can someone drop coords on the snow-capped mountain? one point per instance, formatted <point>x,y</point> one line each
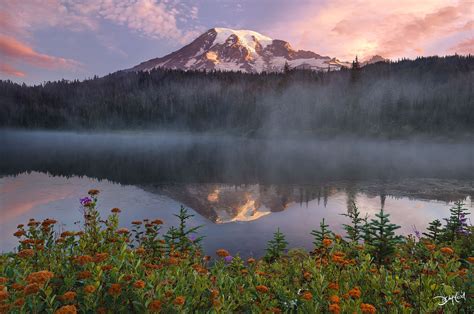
<point>240,50</point>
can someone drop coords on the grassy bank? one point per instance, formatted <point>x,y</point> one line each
<point>106,269</point>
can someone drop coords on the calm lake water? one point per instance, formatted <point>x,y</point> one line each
<point>240,190</point>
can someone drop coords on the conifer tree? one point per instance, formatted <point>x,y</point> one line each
<point>355,229</point>
<point>382,236</point>
<point>276,246</point>
<point>456,224</point>
<point>434,230</point>
<point>320,235</point>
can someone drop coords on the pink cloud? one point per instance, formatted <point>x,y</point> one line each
<point>393,29</point>
<point>464,47</point>
<point>9,70</point>
<point>12,49</point>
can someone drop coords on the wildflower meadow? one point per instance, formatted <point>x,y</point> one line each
<point>104,268</point>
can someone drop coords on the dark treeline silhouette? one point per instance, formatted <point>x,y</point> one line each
<point>432,95</point>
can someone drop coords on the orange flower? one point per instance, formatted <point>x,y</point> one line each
<point>136,222</point>
<point>4,308</point>
<point>251,260</point>
<point>115,289</point>
<point>19,302</point>
<point>334,308</point>
<point>100,257</point>
<point>334,299</point>
<point>157,222</point>
<point>115,210</point>
<point>327,242</point>
<point>430,247</point>
<point>244,271</point>
<point>106,267</point>
<point>367,308</point>
<point>123,231</point>
<point>19,233</point>
<point>31,289</point>
<point>89,289</point>
<point>3,295</point>
<point>40,277</point>
<point>140,250</point>
<point>67,309</point>
<point>333,286</point>
<point>84,259</point>
<point>373,270</point>
<point>26,253</point>
<point>396,291</point>
<point>470,259</point>
<point>389,303</point>
<point>447,250</point>
<point>308,296</point>
<point>17,287</point>
<point>154,306</point>
<point>262,288</point>
<point>139,284</point>
<point>222,253</point>
<point>69,296</point>
<point>355,292</point>
<point>179,300</point>
<point>173,261</point>
<point>93,192</point>
<point>3,280</point>
<point>214,293</point>
<point>307,275</point>
<point>84,275</point>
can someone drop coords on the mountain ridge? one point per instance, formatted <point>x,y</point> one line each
<point>248,51</point>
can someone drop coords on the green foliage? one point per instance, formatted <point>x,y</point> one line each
<point>182,238</point>
<point>123,272</point>
<point>381,237</point>
<point>456,224</point>
<point>434,230</point>
<point>355,229</point>
<point>276,247</point>
<point>321,234</point>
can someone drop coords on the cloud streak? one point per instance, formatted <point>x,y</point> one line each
<point>10,71</point>
<point>14,50</point>
<point>392,29</point>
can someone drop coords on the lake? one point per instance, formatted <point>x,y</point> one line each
<point>240,190</point>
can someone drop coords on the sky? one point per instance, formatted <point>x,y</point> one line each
<point>42,40</point>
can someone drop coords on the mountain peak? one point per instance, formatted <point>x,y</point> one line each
<point>243,50</point>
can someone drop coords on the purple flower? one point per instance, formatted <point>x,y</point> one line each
<point>192,238</point>
<point>85,201</point>
<point>417,233</point>
<point>228,259</point>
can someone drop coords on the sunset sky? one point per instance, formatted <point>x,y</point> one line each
<point>44,40</point>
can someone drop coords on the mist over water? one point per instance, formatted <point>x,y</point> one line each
<point>240,189</point>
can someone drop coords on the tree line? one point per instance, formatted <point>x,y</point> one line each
<point>429,95</point>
